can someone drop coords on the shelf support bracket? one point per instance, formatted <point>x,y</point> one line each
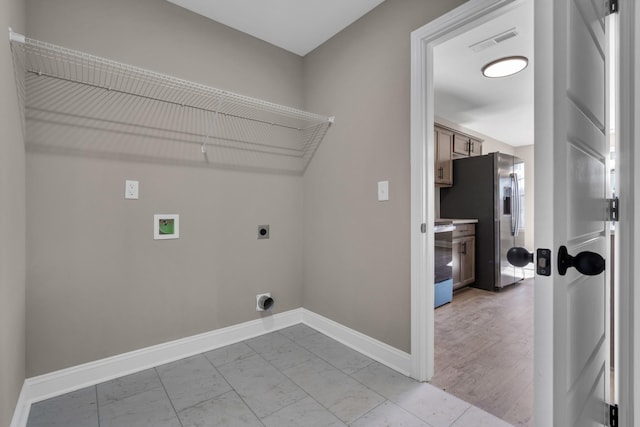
<point>203,149</point>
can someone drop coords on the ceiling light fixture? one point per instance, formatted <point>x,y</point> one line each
<point>505,66</point>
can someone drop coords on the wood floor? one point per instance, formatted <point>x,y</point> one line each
<point>484,350</point>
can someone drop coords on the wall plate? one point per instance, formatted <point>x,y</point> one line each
<point>166,226</point>
<point>263,231</point>
<point>383,191</point>
<point>264,302</point>
<point>131,189</point>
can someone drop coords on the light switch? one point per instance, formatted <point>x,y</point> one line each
<point>383,191</point>
<point>131,190</point>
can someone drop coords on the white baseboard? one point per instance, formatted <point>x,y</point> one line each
<point>21,413</point>
<point>67,380</point>
<point>370,347</point>
<point>77,377</point>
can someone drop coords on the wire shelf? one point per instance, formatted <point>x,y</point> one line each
<point>69,98</point>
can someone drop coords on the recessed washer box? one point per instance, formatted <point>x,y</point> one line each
<point>166,226</point>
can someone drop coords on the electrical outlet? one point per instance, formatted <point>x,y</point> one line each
<point>131,190</point>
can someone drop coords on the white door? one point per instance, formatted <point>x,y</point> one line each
<point>571,151</point>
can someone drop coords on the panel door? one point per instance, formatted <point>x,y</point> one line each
<point>572,343</point>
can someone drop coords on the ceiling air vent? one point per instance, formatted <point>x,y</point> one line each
<point>494,40</point>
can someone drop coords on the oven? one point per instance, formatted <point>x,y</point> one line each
<point>443,262</point>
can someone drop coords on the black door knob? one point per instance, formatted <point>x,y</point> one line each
<point>519,256</point>
<point>587,263</point>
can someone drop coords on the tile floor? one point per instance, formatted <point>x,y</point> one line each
<point>292,377</point>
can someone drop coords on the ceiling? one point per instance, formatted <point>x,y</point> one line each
<point>501,108</point>
<point>295,25</point>
<point>498,108</point>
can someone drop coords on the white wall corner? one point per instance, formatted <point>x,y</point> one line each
<point>377,350</point>
<point>21,413</point>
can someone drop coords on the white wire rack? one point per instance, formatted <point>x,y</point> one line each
<point>73,101</point>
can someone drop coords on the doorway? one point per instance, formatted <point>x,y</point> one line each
<point>423,193</point>
<point>424,41</point>
<point>484,337</point>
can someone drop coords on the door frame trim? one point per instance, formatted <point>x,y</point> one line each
<point>423,40</point>
<point>628,113</point>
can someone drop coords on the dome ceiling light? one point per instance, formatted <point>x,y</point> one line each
<point>505,66</point>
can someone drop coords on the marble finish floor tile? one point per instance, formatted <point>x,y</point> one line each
<point>191,381</point>
<point>263,388</point>
<point>385,381</point>
<point>432,405</point>
<point>149,408</point>
<point>298,332</point>
<point>292,377</point>
<point>137,400</point>
<point>333,389</point>
<point>389,414</point>
<point>476,417</point>
<point>228,354</point>
<point>127,386</point>
<point>225,410</point>
<point>79,408</point>
<point>337,354</point>
<point>306,412</point>
<point>279,350</point>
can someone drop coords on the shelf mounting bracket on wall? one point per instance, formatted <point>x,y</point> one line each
<point>215,122</point>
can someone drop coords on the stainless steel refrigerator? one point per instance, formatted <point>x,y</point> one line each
<point>489,188</point>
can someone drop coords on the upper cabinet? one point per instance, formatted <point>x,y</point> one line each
<point>461,144</point>
<point>476,147</point>
<point>451,144</point>
<point>444,148</point>
<point>466,146</point>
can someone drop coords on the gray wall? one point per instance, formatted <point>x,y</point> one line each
<point>97,282</point>
<point>12,222</point>
<point>98,285</point>
<point>356,249</point>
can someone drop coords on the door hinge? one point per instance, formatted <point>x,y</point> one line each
<point>613,6</point>
<point>614,211</point>
<point>423,227</point>
<point>613,415</point>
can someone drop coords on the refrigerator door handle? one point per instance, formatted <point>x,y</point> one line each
<point>513,205</point>
<point>517,204</point>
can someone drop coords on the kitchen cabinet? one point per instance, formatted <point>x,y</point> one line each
<point>443,157</point>
<point>450,144</point>
<point>463,246</point>
<point>461,144</point>
<point>466,146</point>
<point>476,147</point>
